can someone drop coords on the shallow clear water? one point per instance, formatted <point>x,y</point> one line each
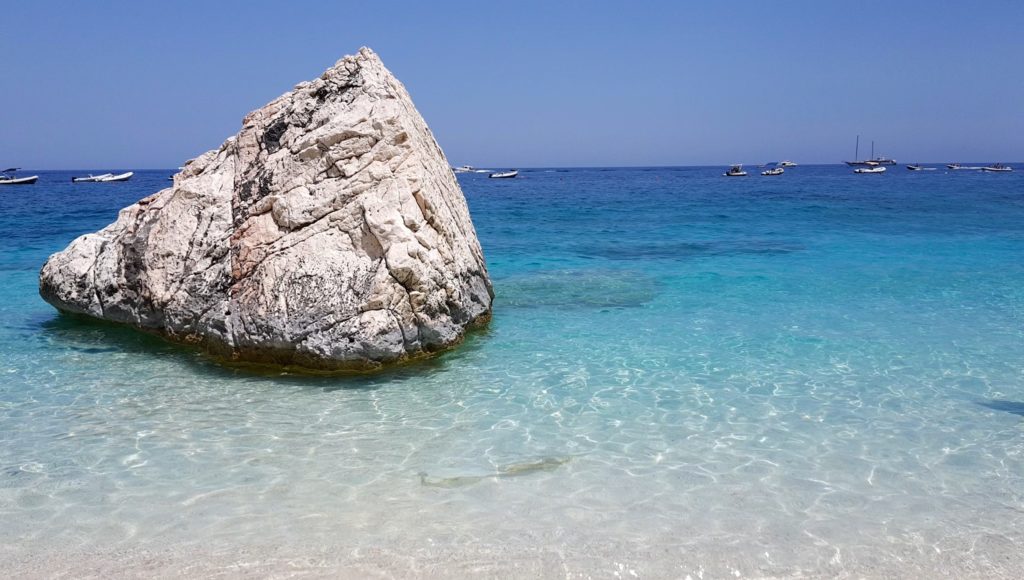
<point>815,373</point>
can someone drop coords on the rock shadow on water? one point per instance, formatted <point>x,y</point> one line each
<point>1014,407</point>
<point>82,334</point>
<point>503,471</point>
<point>90,336</point>
<point>577,289</point>
<point>683,250</point>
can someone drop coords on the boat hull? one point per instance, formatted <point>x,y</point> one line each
<point>20,180</point>
<point>120,177</point>
<point>91,178</point>
<point>105,178</point>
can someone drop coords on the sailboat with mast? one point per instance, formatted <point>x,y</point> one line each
<point>856,154</point>
<point>872,162</point>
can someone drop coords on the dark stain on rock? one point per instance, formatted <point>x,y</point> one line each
<point>272,136</point>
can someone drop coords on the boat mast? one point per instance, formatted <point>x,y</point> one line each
<point>856,150</point>
<point>872,149</point>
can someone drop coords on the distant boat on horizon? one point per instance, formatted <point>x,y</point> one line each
<point>873,161</point>
<point>104,178</point>
<point>469,169</point>
<point>7,177</point>
<point>997,168</point>
<point>871,169</point>
<point>919,167</point>
<point>787,164</point>
<point>735,171</point>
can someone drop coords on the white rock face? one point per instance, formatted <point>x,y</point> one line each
<point>329,233</point>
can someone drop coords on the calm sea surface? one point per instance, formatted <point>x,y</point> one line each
<point>819,373</point>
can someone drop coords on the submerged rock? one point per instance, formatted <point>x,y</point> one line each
<point>511,470</point>
<point>578,289</point>
<point>328,233</point>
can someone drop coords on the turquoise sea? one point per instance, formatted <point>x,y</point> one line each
<point>819,374</point>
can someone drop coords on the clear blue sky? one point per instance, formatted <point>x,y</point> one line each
<point>150,84</point>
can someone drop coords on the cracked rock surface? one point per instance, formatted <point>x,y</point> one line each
<point>329,233</point>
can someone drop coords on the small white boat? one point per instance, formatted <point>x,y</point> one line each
<point>787,164</point>
<point>773,169</point>
<point>105,178</point>
<point>919,167</point>
<point>504,174</point>
<point>873,169</point>
<point>735,171</point>
<point>464,169</point>
<point>997,168</point>
<point>7,177</point>
<point>91,178</point>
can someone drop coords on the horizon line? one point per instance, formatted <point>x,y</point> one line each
<point>527,167</point>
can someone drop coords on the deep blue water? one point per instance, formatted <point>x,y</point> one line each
<point>818,372</point>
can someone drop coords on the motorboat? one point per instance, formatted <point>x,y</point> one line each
<point>469,169</point>
<point>6,180</point>
<point>91,178</point>
<point>953,166</point>
<point>119,177</point>
<point>872,169</point>
<point>104,178</point>
<point>773,169</point>
<point>7,177</point>
<point>997,168</point>
<point>504,174</point>
<point>735,171</point>
<point>787,164</point>
<point>919,167</point>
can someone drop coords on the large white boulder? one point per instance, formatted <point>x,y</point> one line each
<point>329,233</point>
